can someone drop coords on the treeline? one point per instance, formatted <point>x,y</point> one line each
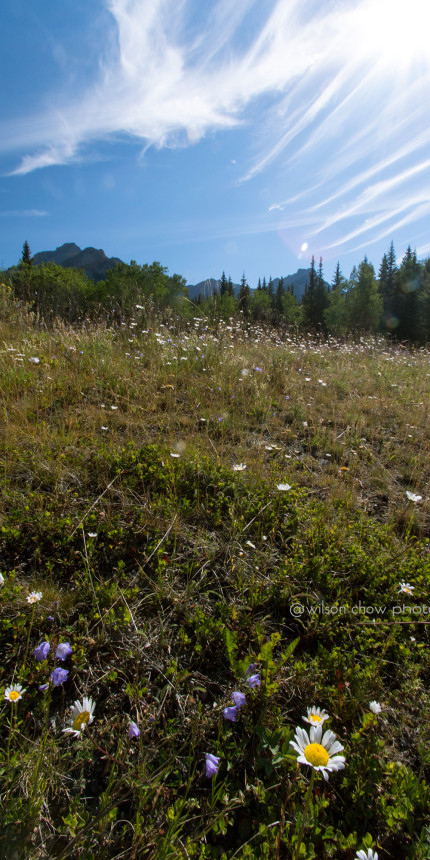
<point>53,292</point>
<point>396,301</point>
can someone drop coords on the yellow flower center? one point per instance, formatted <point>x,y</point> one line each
<point>314,718</point>
<point>316,754</point>
<point>81,719</point>
<point>14,695</point>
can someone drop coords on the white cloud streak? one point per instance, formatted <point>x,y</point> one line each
<point>23,213</point>
<point>341,90</point>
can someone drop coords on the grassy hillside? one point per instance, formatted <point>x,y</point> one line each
<point>169,572</point>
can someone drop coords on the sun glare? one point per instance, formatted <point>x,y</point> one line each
<point>394,34</point>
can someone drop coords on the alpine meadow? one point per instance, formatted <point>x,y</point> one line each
<point>215,430</point>
<point>215,564</point>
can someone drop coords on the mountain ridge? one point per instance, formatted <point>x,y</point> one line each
<point>96,265</point>
<point>94,261</point>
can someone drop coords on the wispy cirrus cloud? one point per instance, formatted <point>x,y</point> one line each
<point>342,93</point>
<point>23,213</point>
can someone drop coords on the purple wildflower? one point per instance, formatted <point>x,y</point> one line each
<point>63,650</point>
<point>230,714</point>
<point>50,617</point>
<point>253,680</point>
<point>43,688</point>
<point>212,765</point>
<point>238,699</point>
<point>59,676</point>
<point>42,651</point>
<point>134,731</point>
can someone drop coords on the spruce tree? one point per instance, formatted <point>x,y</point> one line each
<point>407,283</point>
<point>315,299</point>
<point>279,296</point>
<point>26,255</point>
<point>366,303</point>
<point>244,296</point>
<point>223,285</point>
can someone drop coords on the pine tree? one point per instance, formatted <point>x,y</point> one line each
<point>315,299</point>
<point>26,255</point>
<point>335,314</point>
<point>366,303</point>
<point>244,296</point>
<point>407,282</point>
<point>223,285</point>
<point>386,282</point>
<point>230,287</point>
<point>338,281</point>
<point>279,296</point>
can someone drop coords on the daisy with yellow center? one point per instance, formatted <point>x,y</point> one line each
<point>81,716</point>
<point>406,588</point>
<point>316,716</point>
<point>318,750</point>
<point>14,693</point>
<point>34,597</point>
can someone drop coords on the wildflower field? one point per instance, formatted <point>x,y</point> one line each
<point>214,545</point>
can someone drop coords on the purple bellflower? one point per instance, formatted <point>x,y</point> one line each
<point>253,680</point>
<point>238,699</point>
<point>230,714</point>
<point>63,650</point>
<point>42,651</point>
<point>59,676</point>
<point>212,765</point>
<point>134,731</point>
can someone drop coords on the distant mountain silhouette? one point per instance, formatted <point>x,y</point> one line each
<point>207,288</point>
<point>94,262</point>
<point>297,282</point>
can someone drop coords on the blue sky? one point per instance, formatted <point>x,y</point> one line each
<point>213,135</point>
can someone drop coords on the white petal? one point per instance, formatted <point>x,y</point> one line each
<point>336,747</point>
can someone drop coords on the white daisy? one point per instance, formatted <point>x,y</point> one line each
<point>366,855</point>
<point>34,597</point>
<point>413,497</point>
<point>14,693</point>
<point>375,707</point>
<point>315,716</point>
<point>81,716</point>
<point>406,588</point>
<point>1,579</point>
<point>318,750</point>
<point>239,467</point>
<point>283,487</point>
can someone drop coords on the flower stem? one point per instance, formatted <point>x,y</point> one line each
<point>304,816</point>
<point>28,638</point>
